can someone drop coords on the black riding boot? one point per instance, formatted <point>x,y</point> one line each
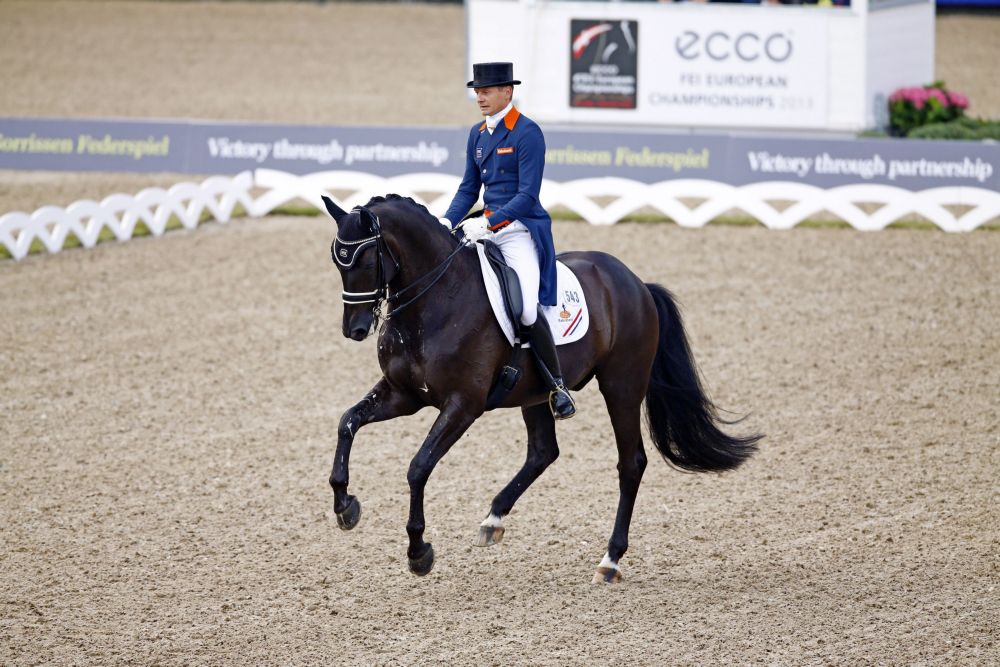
<point>544,348</point>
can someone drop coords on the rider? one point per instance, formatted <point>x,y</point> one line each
<point>506,155</point>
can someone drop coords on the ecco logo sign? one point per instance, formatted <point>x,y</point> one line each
<point>747,46</point>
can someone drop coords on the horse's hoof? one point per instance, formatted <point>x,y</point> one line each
<point>421,565</point>
<point>608,572</point>
<point>607,575</point>
<point>349,518</point>
<point>489,535</point>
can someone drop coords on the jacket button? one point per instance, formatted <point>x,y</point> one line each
<point>484,171</point>
<point>501,171</point>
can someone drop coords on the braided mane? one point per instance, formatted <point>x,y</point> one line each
<point>408,202</point>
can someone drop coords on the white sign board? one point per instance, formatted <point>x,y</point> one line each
<point>760,72</point>
<point>693,65</point>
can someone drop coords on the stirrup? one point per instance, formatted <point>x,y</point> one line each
<point>561,404</point>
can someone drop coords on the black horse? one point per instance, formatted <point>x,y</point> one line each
<point>441,346</point>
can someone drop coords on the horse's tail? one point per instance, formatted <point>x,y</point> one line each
<point>683,421</point>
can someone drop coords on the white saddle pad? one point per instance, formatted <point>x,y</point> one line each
<point>568,320</point>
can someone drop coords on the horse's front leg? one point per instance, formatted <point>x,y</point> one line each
<point>455,418</point>
<point>381,403</point>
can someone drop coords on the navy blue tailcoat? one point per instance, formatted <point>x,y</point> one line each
<point>509,164</point>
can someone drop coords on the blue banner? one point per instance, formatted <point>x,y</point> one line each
<point>207,148</point>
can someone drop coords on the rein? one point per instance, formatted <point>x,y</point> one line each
<point>345,253</point>
<point>440,269</point>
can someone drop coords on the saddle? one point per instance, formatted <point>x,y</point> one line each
<point>510,289</point>
<point>510,284</point>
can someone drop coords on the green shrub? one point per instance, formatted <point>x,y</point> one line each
<point>967,129</point>
<point>989,130</point>
<point>910,108</point>
<point>951,130</point>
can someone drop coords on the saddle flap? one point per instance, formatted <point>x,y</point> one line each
<point>568,319</point>
<point>510,285</point>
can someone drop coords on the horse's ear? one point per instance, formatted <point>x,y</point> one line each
<point>335,211</point>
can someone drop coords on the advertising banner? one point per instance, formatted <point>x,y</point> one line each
<point>604,58</point>
<point>904,163</point>
<point>647,157</point>
<point>86,145</point>
<point>224,148</point>
<point>207,148</point>
<point>387,151</point>
<point>762,73</point>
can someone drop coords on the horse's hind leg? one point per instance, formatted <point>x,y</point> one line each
<point>625,414</point>
<point>381,403</point>
<point>542,451</point>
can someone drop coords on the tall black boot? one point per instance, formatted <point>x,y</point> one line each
<point>544,349</point>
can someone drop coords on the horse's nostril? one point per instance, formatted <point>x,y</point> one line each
<point>359,333</point>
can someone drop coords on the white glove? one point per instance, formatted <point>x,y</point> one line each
<point>446,222</point>
<point>476,228</point>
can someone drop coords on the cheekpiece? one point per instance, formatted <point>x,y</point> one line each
<point>485,75</point>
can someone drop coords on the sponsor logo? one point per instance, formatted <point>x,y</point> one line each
<point>746,46</point>
<point>506,150</point>
<point>603,64</point>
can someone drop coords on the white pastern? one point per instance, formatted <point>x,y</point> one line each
<point>492,521</point>
<point>607,562</point>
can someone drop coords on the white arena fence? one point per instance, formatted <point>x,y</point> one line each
<point>866,207</point>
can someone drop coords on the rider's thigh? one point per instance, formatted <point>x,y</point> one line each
<point>519,251</point>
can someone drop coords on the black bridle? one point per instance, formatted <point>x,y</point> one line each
<point>346,253</point>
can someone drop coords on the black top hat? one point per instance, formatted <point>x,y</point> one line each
<point>492,74</point>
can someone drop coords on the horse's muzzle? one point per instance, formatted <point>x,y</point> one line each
<point>357,327</point>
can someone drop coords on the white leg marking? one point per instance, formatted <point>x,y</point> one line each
<point>492,521</point>
<point>607,562</point>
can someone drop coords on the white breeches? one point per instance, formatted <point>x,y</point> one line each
<point>519,251</point>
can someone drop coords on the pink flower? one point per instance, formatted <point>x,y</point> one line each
<point>915,96</point>
<point>958,100</point>
<point>918,97</point>
<point>939,95</point>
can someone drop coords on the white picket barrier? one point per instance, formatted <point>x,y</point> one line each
<point>121,213</point>
<point>220,195</point>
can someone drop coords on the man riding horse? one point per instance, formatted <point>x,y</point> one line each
<point>505,156</point>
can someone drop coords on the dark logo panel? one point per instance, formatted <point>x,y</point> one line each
<point>603,63</point>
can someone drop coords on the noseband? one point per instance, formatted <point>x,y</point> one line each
<point>346,253</point>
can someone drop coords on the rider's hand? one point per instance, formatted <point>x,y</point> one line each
<point>476,228</point>
<point>446,222</point>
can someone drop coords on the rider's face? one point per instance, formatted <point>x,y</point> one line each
<point>493,98</point>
